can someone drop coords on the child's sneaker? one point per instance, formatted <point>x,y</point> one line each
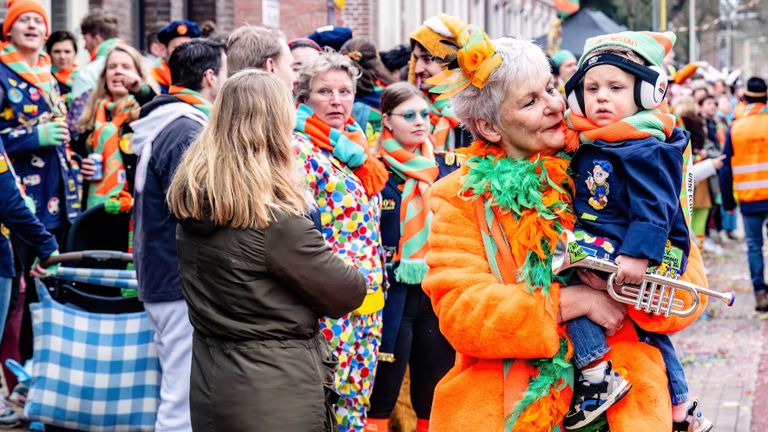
<point>695,422</point>
<point>8,417</point>
<point>590,400</point>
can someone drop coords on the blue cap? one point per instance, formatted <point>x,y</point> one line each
<point>332,36</point>
<point>178,28</point>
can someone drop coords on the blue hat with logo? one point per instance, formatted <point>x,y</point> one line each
<point>178,28</point>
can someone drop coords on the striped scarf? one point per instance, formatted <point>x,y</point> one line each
<point>349,146</point>
<point>110,117</point>
<point>419,170</point>
<point>191,97</point>
<point>745,110</point>
<point>442,122</point>
<point>657,123</point>
<point>65,76</point>
<point>105,48</point>
<point>162,73</point>
<point>523,205</point>
<point>39,75</point>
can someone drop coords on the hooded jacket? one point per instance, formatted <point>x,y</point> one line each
<point>165,129</point>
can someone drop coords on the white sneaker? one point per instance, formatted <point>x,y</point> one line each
<point>711,247</point>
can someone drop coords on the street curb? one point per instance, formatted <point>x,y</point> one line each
<point>760,400</point>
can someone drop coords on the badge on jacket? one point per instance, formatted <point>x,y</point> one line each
<point>387,204</point>
<point>3,164</point>
<point>597,182</point>
<point>53,206</point>
<point>37,162</point>
<point>14,95</point>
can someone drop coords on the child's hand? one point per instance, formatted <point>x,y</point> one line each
<point>631,270</point>
<point>592,280</point>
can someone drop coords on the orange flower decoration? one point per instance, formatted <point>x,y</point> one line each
<point>477,60</point>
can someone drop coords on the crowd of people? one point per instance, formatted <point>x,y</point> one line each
<point>312,217</point>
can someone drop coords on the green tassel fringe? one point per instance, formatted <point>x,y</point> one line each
<point>411,271</point>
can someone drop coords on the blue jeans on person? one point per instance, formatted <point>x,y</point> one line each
<point>5,303</point>
<point>589,345</point>
<point>753,231</point>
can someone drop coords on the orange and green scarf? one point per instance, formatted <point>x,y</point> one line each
<point>65,76</point>
<point>418,170</point>
<point>191,97</point>
<point>110,117</point>
<point>349,146</point>
<point>657,123</point>
<point>745,109</point>
<point>442,122</point>
<point>523,205</point>
<point>39,75</point>
<point>162,73</point>
<point>105,48</point>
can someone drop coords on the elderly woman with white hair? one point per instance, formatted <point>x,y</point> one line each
<point>345,180</point>
<point>495,225</point>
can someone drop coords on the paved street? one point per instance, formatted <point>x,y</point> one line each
<point>724,353</point>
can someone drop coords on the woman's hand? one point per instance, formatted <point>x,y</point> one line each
<point>606,312</point>
<point>718,162</point>
<point>592,280</point>
<point>598,306</point>
<point>131,81</point>
<point>631,270</point>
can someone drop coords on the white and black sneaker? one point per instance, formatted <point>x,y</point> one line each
<point>590,400</point>
<point>694,422</point>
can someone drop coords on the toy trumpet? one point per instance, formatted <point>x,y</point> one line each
<point>655,295</point>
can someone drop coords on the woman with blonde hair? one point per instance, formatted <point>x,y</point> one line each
<point>256,274</point>
<point>123,87</point>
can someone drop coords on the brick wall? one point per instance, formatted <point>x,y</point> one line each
<point>300,18</point>
<point>124,11</point>
<point>247,12</point>
<point>156,10</point>
<point>358,15</point>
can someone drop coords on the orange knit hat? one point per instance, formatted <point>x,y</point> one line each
<point>17,8</point>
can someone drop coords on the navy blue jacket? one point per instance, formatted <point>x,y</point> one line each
<point>637,208</point>
<point>155,236</point>
<point>48,173</point>
<point>16,217</point>
<point>391,198</point>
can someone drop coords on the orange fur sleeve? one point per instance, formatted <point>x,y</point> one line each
<point>480,316</point>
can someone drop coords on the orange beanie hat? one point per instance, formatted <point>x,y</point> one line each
<point>17,8</point>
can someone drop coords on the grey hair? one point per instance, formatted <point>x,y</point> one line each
<point>523,63</point>
<point>326,62</point>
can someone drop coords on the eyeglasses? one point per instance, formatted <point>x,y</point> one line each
<point>410,115</point>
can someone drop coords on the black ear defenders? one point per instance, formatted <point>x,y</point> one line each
<point>650,82</point>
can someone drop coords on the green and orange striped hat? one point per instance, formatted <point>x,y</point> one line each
<point>651,46</point>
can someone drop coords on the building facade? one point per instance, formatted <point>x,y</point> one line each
<point>386,22</point>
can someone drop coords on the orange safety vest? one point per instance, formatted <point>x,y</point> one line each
<point>749,138</point>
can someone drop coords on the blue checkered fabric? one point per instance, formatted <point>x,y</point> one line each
<point>92,372</point>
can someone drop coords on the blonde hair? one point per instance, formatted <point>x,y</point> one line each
<point>685,106</point>
<point>100,92</point>
<point>251,46</point>
<point>241,170</point>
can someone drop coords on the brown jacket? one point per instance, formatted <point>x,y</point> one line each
<point>255,296</point>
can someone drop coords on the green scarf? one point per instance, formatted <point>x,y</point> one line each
<point>536,194</point>
<point>38,75</point>
<point>418,170</point>
<point>191,97</point>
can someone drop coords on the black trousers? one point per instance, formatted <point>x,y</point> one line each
<point>420,345</point>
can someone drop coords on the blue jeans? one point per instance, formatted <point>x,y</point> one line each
<point>589,345</point>
<point>588,341</point>
<point>753,231</point>
<point>678,387</point>
<point>5,302</point>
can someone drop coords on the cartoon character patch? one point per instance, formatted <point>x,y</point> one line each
<point>597,182</point>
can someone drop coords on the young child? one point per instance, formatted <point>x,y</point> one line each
<point>628,175</point>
